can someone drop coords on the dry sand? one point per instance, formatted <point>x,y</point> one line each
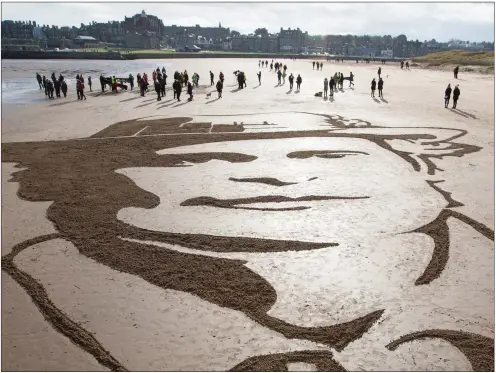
<point>267,291</point>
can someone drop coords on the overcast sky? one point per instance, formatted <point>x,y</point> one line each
<point>423,21</point>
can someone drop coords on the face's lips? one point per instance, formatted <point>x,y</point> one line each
<point>233,203</point>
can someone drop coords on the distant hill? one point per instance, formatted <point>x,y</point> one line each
<point>457,57</point>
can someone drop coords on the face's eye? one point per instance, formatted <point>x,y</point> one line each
<point>327,154</point>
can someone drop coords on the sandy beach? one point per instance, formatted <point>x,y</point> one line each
<point>266,230</point>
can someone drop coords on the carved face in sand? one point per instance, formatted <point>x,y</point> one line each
<point>313,189</point>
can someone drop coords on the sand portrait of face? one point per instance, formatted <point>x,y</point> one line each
<point>323,189</point>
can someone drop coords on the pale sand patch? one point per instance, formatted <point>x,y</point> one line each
<point>143,326</point>
<point>25,332</point>
<point>21,219</point>
<point>29,343</point>
<point>301,367</point>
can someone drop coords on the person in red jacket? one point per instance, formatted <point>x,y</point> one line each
<point>80,88</point>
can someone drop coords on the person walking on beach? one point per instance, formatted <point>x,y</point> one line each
<point>284,77</point>
<point>456,95</point>
<point>285,68</point>
<point>259,75</point>
<point>221,77</point>
<point>321,66</point>
<point>313,64</point>
<point>351,80</point>
<point>63,87</point>
<point>380,85</point>
<point>402,63</point>
<point>379,72</point>
<point>271,65</point>
<point>89,83</point>
<point>219,87</point>
<point>38,78</point>
<point>455,71</point>
<point>298,82</point>
<point>211,78</point>
<point>279,74</point>
<point>372,88</point>
<point>291,80</point>
<point>447,95</point>
<point>332,84</point>
<point>326,86</point>
<point>266,63</point>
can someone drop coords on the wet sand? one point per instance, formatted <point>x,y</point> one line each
<point>135,314</point>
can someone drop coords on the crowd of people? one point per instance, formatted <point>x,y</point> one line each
<point>54,86</point>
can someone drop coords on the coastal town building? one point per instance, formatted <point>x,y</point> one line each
<point>292,40</point>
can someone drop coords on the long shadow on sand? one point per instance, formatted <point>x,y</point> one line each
<point>182,103</point>
<point>377,100</point>
<point>289,92</point>
<point>146,104</point>
<point>463,113</point>
<point>384,100</point>
<point>62,103</point>
<point>215,99</point>
<point>130,99</point>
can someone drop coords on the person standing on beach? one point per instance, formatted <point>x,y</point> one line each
<point>102,82</point>
<point>379,72</point>
<point>219,87</point>
<point>456,95</point>
<point>326,86</point>
<point>131,81</point>
<point>190,91</point>
<point>43,81</point>
<point>38,78</point>
<point>49,85</point>
<point>298,82</point>
<point>161,80</point>
<point>279,77</point>
<point>81,89</point>
<point>455,71</point>
<point>163,70</point>
<point>211,78</point>
<point>313,65</point>
<point>285,68</point>
<point>259,78</point>
<point>291,80</point>
<point>332,84</point>
<point>56,85</point>
<point>271,65</point>
<point>89,83</point>
<point>63,87</point>
<point>372,88</point>
<point>284,77</point>
<point>380,85</point>
<point>321,66</point>
<point>179,89</point>
<point>142,86</point>
<point>157,89</point>
<point>402,63</point>
<point>351,80</point>
<point>447,95</point>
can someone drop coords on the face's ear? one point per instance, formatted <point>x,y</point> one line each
<point>418,146</point>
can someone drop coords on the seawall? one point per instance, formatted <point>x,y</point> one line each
<point>33,55</point>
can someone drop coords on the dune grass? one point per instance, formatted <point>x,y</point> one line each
<point>457,57</point>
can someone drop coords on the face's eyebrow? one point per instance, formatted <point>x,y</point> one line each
<point>324,153</point>
<point>205,157</point>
